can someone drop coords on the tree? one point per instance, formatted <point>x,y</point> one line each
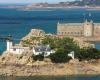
<point>88,54</point>
<point>63,47</point>
<point>61,56</point>
<point>67,45</point>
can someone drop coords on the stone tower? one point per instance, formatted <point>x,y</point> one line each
<point>88,28</point>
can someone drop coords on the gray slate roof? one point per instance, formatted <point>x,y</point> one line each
<point>42,48</point>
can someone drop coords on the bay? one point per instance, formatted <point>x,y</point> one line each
<point>53,78</point>
<point>19,22</point>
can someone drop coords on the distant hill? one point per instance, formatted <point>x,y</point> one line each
<point>80,3</point>
<point>85,2</point>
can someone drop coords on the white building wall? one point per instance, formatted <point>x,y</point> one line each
<point>17,51</point>
<point>9,45</point>
<point>46,53</point>
<point>13,49</point>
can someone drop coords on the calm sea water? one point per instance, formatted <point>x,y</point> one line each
<point>53,78</point>
<point>18,23</point>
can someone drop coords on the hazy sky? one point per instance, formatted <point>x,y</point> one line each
<point>31,1</point>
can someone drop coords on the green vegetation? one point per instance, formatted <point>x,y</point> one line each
<point>26,43</point>
<point>61,56</point>
<point>35,38</point>
<point>63,46</point>
<point>88,54</point>
<point>39,57</point>
<point>61,43</point>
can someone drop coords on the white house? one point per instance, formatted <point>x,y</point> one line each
<point>17,49</point>
<point>39,49</point>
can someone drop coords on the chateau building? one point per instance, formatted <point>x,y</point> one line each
<point>86,29</point>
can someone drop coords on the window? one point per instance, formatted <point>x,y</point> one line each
<point>58,32</point>
<point>78,32</point>
<point>74,32</point>
<point>71,32</point>
<point>14,49</point>
<point>62,33</point>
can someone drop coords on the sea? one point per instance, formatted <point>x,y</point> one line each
<point>18,23</point>
<point>52,78</point>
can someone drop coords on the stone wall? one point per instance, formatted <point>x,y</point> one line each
<point>79,29</point>
<point>97,30</point>
<point>70,29</point>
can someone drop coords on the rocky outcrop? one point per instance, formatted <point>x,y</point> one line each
<point>10,58</point>
<point>34,33</point>
<point>24,65</point>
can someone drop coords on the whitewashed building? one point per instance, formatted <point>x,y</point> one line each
<point>17,49</point>
<point>39,49</point>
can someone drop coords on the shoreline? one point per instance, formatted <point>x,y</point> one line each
<point>68,7</point>
<point>73,68</point>
<point>84,75</point>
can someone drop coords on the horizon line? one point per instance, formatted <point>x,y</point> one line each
<point>32,2</point>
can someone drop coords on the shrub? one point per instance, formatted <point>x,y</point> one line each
<point>39,57</point>
<point>60,56</point>
<point>88,54</point>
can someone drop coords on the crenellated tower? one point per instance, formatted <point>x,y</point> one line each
<point>88,28</point>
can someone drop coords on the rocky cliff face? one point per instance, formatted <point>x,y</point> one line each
<point>9,58</point>
<point>24,66</point>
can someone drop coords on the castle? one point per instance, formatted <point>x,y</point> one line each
<point>86,29</point>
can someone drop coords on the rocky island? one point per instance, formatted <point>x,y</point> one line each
<point>20,60</point>
<point>13,66</point>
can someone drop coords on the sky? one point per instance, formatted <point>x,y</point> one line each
<point>31,1</point>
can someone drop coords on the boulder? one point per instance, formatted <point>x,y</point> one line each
<point>75,61</point>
